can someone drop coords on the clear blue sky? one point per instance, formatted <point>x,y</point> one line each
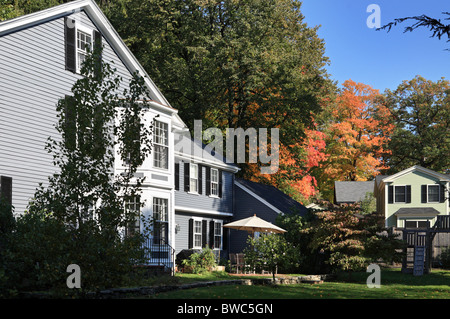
<point>379,58</point>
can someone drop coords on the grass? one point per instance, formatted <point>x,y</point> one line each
<point>394,285</point>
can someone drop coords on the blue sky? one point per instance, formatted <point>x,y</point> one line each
<point>379,58</point>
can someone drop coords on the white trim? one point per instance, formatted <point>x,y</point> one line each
<point>201,211</point>
<point>197,219</point>
<point>427,171</point>
<point>439,193</point>
<point>214,182</point>
<point>219,165</point>
<point>262,200</point>
<point>196,191</point>
<point>89,31</point>
<point>394,186</point>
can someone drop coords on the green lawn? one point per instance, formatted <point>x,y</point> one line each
<point>394,285</point>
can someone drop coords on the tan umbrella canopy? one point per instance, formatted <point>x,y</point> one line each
<point>255,224</point>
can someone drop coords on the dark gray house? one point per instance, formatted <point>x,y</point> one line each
<point>266,201</point>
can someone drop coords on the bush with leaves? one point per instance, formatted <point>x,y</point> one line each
<point>200,262</point>
<point>269,252</point>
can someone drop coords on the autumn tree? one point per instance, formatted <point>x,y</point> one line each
<point>351,240</point>
<point>357,133</point>
<point>420,110</point>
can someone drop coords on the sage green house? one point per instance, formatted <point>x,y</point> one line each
<point>413,197</point>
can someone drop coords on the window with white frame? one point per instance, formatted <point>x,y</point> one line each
<point>433,193</point>
<point>197,233</point>
<point>193,178</point>
<point>161,145</point>
<point>400,194</point>
<point>217,235</point>
<point>132,209</point>
<point>84,43</point>
<point>160,220</point>
<point>214,182</point>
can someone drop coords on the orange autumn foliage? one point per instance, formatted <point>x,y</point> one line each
<point>356,135</point>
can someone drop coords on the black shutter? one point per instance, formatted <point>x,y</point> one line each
<point>200,179</point>
<point>177,176</point>
<point>6,189</point>
<point>208,181</point>
<point>220,183</point>
<point>191,234</point>
<point>186,176</point>
<point>424,193</point>
<point>408,193</point>
<point>441,193</point>
<point>204,233</point>
<point>70,44</point>
<point>211,234</point>
<point>224,238</point>
<point>390,194</point>
<point>98,51</point>
<point>70,125</point>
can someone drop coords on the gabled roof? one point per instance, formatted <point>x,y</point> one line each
<point>352,192</point>
<point>272,197</point>
<point>103,25</point>
<point>191,149</point>
<point>441,177</point>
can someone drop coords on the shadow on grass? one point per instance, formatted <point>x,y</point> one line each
<point>437,277</point>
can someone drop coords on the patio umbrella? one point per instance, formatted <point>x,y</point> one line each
<point>255,224</point>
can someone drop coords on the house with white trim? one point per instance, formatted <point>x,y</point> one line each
<point>413,197</point>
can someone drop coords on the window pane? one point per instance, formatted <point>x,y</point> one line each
<point>133,208</point>
<point>400,194</point>
<point>161,158</point>
<point>410,224</point>
<point>214,175</point>
<point>433,193</point>
<point>422,224</point>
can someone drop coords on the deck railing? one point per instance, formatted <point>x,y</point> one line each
<point>442,222</point>
<point>159,253</point>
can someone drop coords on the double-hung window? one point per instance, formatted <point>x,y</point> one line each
<point>161,145</point>
<point>84,43</point>
<point>433,193</point>
<point>400,194</point>
<point>197,233</point>
<point>217,235</point>
<point>133,208</point>
<point>214,182</point>
<point>160,221</point>
<point>193,178</point>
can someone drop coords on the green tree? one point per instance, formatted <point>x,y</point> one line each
<point>420,110</point>
<point>85,195</point>
<point>351,240</point>
<point>230,63</point>
<point>269,251</point>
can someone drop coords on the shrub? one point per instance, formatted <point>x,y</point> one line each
<point>445,258</point>
<point>200,262</point>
